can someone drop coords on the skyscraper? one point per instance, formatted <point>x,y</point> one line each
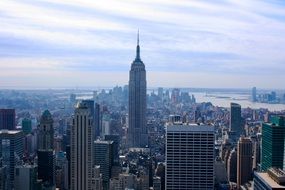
<point>25,177</point>
<point>272,153</point>
<point>45,153</point>
<point>235,120</point>
<point>103,157</point>
<point>91,105</point>
<point>97,178</point>
<point>27,126</point>
<point>253,94</point>
<point>189,157</point>
<point>81,148</point>
<point>97,120</point>
<point>273,179</point>
<point>46,132</point>
<point>232,166</point>
<point>116,147</point>
<point>244,161</point>
<point>11,152</point>
<point>137,132</point>
<point>7,119</point>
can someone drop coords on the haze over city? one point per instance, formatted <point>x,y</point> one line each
<point>142,95</point>
<point>216,44</point>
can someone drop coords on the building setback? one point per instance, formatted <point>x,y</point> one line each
<point>137,131</point>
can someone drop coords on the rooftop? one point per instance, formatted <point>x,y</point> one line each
<point>189,127</point>
<point>269,180</point>
<point>9,132</point>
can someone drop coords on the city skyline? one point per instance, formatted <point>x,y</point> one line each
<point>185,44</point>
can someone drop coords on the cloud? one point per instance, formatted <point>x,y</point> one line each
<point>222,38</point>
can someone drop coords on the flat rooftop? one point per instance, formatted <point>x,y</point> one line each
<point>9,132</point>
<point>269,180</point>
<point>179,127</point>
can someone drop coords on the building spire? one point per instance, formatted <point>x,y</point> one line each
<point>138,48</point>
<point>138,38</point>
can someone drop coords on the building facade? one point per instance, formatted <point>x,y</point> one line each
<point>7,119</point>
<point>189,157</point>
<point>232,166</point>
<point>103,157</point>
<point>235,120</point>
<point>46,132</point>
<point>272,153</point>
<point>45,153</point>
<point>12,148</point>
<point>26,177</point>
<point>244,161</point>
<point>81,148</point>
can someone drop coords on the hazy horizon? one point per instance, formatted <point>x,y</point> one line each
<point>198,44</point>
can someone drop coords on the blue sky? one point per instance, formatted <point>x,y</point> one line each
<point>184,43</point>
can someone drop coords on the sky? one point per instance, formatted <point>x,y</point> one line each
<point>184,43</point>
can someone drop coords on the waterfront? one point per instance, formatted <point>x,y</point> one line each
<point>218,99</point>
<point>224,100</point>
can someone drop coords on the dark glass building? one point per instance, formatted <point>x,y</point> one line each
<point>103,157</point>
<point>273,143</point>
<point>236,121</point>
<point>27,125</point>
<point>116,146</point>
<point>46,167</point>
<point>7,119</point>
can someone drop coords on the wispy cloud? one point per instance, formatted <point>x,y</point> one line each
<point>234,37</point>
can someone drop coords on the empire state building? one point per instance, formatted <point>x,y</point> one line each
<point>137,131</point>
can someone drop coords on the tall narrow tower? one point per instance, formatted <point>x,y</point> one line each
<point>46,132</point>
<point>244,161</point>
<point>236,121</point>
<point>81,148</point>
<point>46,154</point>
<point>137,132</point>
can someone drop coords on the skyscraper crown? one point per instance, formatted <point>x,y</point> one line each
<point>138,58</point>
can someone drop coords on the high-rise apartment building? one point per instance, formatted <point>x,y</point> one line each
<point>81,148</point>
<point>137,131</point>
<point>189,156</point>
<point>273,135</point>
<point>244,161</point>
<point>7,119</point>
